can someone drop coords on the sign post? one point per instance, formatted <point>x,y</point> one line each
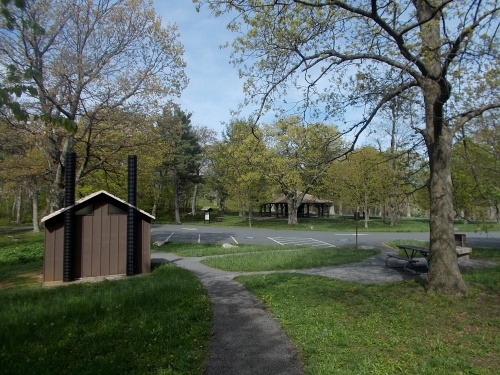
<point>356,219</point>
<point>206,211</point>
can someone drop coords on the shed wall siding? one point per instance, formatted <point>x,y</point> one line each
<point>103,244</point>
<point>121,248</point>
<point>54,251</point>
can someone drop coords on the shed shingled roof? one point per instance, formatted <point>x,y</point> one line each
<point>87,198</point>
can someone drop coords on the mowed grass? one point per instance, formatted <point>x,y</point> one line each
<point>348,328</point>
<point>266,257</point>
<point>21,256</point>
<point>158,324</point>
<point>288,259</point>
<point>186,249</point>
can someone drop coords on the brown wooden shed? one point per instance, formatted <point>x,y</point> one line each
<point>100,239</point>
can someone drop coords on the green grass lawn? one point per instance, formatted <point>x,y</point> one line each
<point>160,323</point>
<point>21,256</point>
<point>289,259</point>
<point>347,328</point>
<point>266,258</point>
<point>186,249</point>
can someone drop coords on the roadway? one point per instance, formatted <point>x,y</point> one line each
<point>318,239</point>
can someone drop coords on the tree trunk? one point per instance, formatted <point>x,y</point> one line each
<point>34,216</point>
<point>292,212</point>
<point>393,206</point>
<point>177,199</point>
<point>250,215</point>
<point>408,206</point>
<point>367,214</point>
<point>18,206</point>
<point>241,212</point>
<point>394,215</point>
<point>193,200</point>
<point>444,274</point>
<point>153,210</point>
<point>216,198</point>
<point>156,197</point>
<point>56,194</point>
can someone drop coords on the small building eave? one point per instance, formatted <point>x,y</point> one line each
<point>89,197</point>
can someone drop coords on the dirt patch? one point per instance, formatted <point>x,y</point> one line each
<point>28,278</point>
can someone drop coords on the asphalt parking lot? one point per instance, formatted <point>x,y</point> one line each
<point>319,239</point>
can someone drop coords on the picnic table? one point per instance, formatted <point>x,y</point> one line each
<point>409,261</point>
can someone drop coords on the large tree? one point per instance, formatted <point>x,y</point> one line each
<point>364,179</point>
<point>298,156</point>
<point>183,153</point>
<point>238,166</point>
<point>476,172</point>
<point>92,58</point>
<point>360,56</point>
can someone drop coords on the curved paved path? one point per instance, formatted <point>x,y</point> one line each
<point>246,339</point>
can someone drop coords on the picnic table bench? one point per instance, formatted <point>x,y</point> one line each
<point>219,218</point>
<point>412,251</point>
<point>409,262</point>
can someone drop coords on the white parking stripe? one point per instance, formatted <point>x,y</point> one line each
<point>300,241</point>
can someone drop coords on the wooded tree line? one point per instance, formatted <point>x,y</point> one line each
<point>74,56</point>
<point>181,165</point>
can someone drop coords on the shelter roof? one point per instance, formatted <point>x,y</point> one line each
<point>89,197</point>
<point>308,199</point>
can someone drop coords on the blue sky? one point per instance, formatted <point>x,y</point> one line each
<point>214,87</point>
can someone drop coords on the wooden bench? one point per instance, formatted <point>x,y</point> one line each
<point>460,247</point>
<point>463,252</point>
<point>219,219</point>
<point>460,239</point>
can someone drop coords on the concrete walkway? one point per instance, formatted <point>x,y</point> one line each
<point>246,339</point>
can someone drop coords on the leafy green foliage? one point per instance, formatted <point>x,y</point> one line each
<point>475,170</point>
<point>238,165</point>
<point>71,53</point>
<point>182,152</point>
<point>298,156</point>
